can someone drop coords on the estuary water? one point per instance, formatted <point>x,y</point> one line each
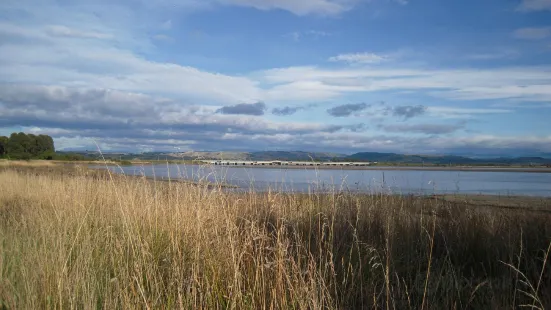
<point>371,181</point>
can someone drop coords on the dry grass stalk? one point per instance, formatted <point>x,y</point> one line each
<point>75,241</point>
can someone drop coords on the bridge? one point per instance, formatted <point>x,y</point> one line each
<point>287,163</point>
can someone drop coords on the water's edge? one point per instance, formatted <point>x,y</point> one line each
<point>403,181</point>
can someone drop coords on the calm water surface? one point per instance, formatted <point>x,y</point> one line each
<point>394,181</point>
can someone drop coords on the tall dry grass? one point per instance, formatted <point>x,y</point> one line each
<point>125,243</point>
<point>26,163</point>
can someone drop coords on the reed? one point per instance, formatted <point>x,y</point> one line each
<point>75,241</point>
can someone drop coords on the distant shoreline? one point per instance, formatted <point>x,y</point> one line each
<point>49,168</point>
<point>367,168</point>
<point>404,168</point>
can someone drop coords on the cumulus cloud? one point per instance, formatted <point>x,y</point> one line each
<point>356,127</point>
<point>60,99</point>
<point>430,129</point>
<point>535,5</point>
<point>360,58</point>
<point>347,109</point>
<point>534,33</point>
<point>285,111</point>
<point>407,111</point>
<point>343,141</point>
<point>89,109</point>
<point>257,109</point>
<point>191,130</point>
<point>92,79</point>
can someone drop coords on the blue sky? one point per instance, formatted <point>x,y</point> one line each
<point>417,76</point>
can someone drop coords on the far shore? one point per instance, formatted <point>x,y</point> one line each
<point>377,168</point>
<point>42,167</point>
<point>374,167</point>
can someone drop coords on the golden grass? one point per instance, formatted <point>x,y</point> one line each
<point>72,241</point>
<point>26,163</point>
<point>4,163</point>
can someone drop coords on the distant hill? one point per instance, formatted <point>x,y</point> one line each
<point>265,155</point>
<point>387,158</point>
<point>211,155</point>
<point>410,159</point>
<point>293,156</point>
<point>444,159</point>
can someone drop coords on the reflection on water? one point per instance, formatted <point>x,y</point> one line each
<point>393,181</point>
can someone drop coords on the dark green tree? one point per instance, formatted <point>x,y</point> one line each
<point>45,146</point>
<point>18,144</point>
<point>23,146</point>
<point>33,145</point>
<point>3,146</point>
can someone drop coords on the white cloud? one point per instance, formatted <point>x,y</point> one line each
<point>542,143</point>
<point>87,65</point>
<point>94,79</point>
<point>70,61</point>
<point>307,91</point>
<point>20,32</point>
<point>63,31</point>
<point>455,112</point>
<point>313,34</point>
<point>528,93</point>
<point>524,83</point>
<point>428,129</point>
<point>104,65</point>
<point>167,25</point>
<point>302,7</point>
<point>122,116</point>
<point>294,35</point>
<point>408,144</point>
<point>502,54</point>
<point>534,33</point>
<point>120,120</point>
<point>297,7</point>
<point>360,58</point>
<point>318,33</point>
<point>535,5</point>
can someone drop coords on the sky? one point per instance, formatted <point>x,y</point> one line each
<point>466,77</point>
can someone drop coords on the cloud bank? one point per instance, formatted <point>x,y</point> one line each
<point>347,109</point>
<point>94,71</point>
<point>244,109</point>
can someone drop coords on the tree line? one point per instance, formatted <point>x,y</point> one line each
<point>27,146</point>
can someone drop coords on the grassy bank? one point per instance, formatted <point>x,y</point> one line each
<point>68,240</point>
